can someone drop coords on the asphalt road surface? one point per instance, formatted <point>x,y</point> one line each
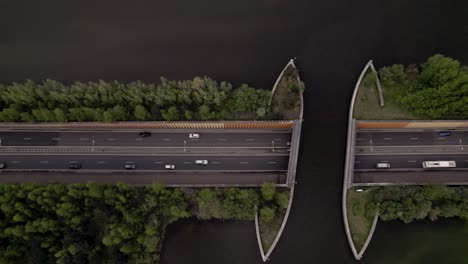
<point>407,161</point>
<point>405,138</point>
<point>118,138</point>
<point>145,162</point>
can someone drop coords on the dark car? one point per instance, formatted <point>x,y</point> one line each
<point>145,134</point>
<point>2,165</point>
<point>75,165</point>
<point>130,165</point>
<point>445,133</point>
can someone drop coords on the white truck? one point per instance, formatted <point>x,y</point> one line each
<point>439,164</point>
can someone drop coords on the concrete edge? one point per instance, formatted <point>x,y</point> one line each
<point>406,183</point>
<point>297,127</point>
<point>348,159</point>
<point>291,62</point>
<point>266,256</point>
<point>379,87</point>
<point>370,235</point>
<point>259,239</point>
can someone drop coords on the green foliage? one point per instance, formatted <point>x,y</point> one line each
<point>268,191</point>
<point>439,91</point>
<point>116,223</point>
<point>267,214</point>
<point>199,99</point>
<point>408,203</point>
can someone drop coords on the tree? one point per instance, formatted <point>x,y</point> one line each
<point>141,113</point>
<point>268,191</point>
<point>267,214</point>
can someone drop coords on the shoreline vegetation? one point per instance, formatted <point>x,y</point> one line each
<point>403,203</point>
<point>285,101</point>
<point>436,89</point>
<point>360,215</point>
<point>89,223</point>
<point>199,99</point>
<point>271,213</point>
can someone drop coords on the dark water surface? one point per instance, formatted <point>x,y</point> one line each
<point>250,41</point>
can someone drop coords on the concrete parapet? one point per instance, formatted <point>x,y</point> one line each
<point>349,163</point>
<point>369,236</point>
<point>379,87</point>
<point>280,231</point>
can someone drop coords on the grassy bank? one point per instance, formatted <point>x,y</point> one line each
<point>269,230</point>
<point>367,105</point>
<point>286,102</point>
<point>360,215</point>
<point>271,213</point>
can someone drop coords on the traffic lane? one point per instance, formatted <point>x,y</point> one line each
<point>407,161</point>
<point>109,138</point>
<point>365,138</point>
<point>144,162</point>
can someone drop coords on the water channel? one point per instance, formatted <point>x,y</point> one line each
<point>250,41</point>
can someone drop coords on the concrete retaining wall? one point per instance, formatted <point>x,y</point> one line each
<point>349,163</point>
<point>280,232</point>
<point>291,180</point>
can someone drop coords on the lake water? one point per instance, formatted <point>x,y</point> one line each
<point>250,41</point>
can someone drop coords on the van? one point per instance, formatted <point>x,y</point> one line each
<point>382,165</point>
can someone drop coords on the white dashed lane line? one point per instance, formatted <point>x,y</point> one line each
<point>243,162</point>
<point>27,138</point>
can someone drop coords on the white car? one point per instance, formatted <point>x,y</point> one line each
<point>201,162</point>
<point>194,135</point>
<point>169,166</point>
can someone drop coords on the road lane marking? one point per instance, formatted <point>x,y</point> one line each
<point>55,138</point>
<point>166,139</point>
<point>357,161</point>
<point>101,162</point>
<point>277,139</point>
<point>15,161</point>
<point>27,138</point>
<point>187,162</point>
<point>222,139</point>
<point>138,139</point>
<point>441,138</point>
<point>359,139</point>
<point>414,138</point>
<point>411,161</point>
<point>387,138</point>
<point>111,139</point>
<point>243,162</point>
<point>44,161</point>
<point>216,162</point>
<point>250,139</point>
<point>272,162</point>
<point>158,162</point>
<point>384,161</point>
<point>83,138</point>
